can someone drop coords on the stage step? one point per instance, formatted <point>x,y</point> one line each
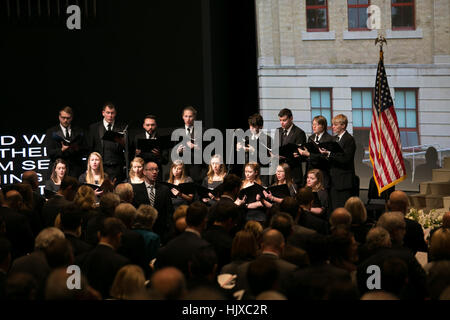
<point>434,201</point>
<point>447,163</point>
<point>418,200</point>
<point>435,187</point>
<point>441,174</point>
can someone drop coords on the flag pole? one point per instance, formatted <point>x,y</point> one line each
<point>380,39</point>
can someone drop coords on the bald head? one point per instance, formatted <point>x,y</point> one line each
<point>446,220</point>
<point>31,178</point>
<point>169,283</point>
<point>398,201</point>
<point>272,240</point>
<point>14,199</point>
<point>340,216</point>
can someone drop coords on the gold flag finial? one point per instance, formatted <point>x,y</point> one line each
<point>380,40</point>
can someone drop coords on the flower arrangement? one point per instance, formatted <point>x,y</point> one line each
<point>431,219</point>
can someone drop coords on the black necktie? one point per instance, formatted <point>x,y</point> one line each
<point>109,126</point>
<point>284,137</point>
<point>189,132</point>
<point>66,133</point>
<point>317,139</point>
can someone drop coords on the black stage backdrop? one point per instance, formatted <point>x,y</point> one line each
<point>145,56</point>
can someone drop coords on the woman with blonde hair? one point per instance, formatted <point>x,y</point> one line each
<point>177,175</point>
<point>94,174</point>
<point>85,200</point>
<point>256,209</point>
<point>136,173</point>
<point>214,177</point>
<point>358,211</point>
<point>314,180</point>
<point>59,171</point>
<point>129,283</point>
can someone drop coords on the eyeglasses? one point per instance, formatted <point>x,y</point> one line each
<point>152,169</point>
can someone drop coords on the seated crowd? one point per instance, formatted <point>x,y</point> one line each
<point>147,239</point>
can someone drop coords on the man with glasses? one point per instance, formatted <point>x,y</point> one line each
<point>157,195</point>
<point>67,142</point>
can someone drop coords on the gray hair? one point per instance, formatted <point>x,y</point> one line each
<point>392,221</point>
<point>378,238</point>
<point>46,237</point>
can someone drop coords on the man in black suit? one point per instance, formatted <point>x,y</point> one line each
<point>193,170</point>
<point>67,142</point>
<point>158,196</point>
<point>179,250</point>
<point>414,236</point>
<point>102,263</point>
<point>157,155</point>
<point>342,164</point>
<point>290,133</point>
<point>112,152</point>
<point>318,160</point>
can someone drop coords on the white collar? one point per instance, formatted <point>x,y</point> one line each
<point>289,129</point>
<point>193,231</point>
<point>320,135</point>
<point>105,124</point>
<point>340,136</point>
<point>64,128</point>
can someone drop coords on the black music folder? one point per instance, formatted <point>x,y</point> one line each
<point>203,192</point>
<point>113,136</point>
<point>251,192</point>
<point>186,188</point>
<point>279,191</point>
<point>161,143</point>
<point>332,146</point>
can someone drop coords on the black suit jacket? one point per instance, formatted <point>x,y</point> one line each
<point>296,136</point>
<point>195,171</point>
<point>414,237</point>
<point>150,156</point>
<point>342,165</point>
<point>18,232</point>
<point>308,220</point>
<point>319,161</point>
<point>111,152</point>
<point>101,266</point>
<point>78,246</point>
<point>72,156</point>
<point>179,251</point>
<point>163,203</point>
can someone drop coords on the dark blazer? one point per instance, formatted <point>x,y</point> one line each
<point>73,156</point>
<point>163,157</point>
<point>18,232</point>
<point>163,203</point>
<point>286,271</point>
<point>78,246</point>
<point>221,241</point>
<point>51,209</point>
<point>179,251</point>
<point>111,152</point>
<point>101,266</point>
<point>296,136</point>
<point>308,220</point>
<point>132,246</point>
<point>414,237</point>
<point>342,171</point>
<point>319,161</point>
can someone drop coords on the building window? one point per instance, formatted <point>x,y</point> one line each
<point>406,110</point>
<point>362,108</point>
<point>321,103</point>
<point>316,15</point>
<point>357,14</point>
<point>403,15</point>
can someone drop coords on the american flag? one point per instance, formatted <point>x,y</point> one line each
<point>385,148</point>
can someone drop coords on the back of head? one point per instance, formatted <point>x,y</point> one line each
<point>272,239</point>
<point>379,295</point>
<point>125,192</point>
<point>85,198</point>
<point>231,182</point>
<point>440,244</point>
<point>21,286</point>
<point>305,196</point>
<point>129,283</point>
<point>244,246</point>
<point>431,155</point>
<point>196,214</point>
<point>69,182</point>
<point>282,222</point>
<point>262,275</point>
<point>316,246</point>
<point>357,210</point>
<point>126,213</point>
<point>391,221</point>
<point>56,287</point>
<point>14,200</point>
<point>340,216</point>
<point>438,278</point>
<point>225,211</point>
<point>46,237</point>
<point>271,295</point>
<point>31,178</point>
<point>340,242</point>
<point>446,220</point>
<point>169,283</point>
<point>70,217</point>
<point>296,256</point>
<point>59,253</point>
<point>289,205</point>
<point>146,216</point>
<point>394,275</point>
<point>398,201</point>
<point>203,263</point>
<point>108,203</point>
<point>378,237</point>
<point>111,227</point>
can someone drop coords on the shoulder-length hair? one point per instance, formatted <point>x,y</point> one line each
<point>89,176</point>
<point>57,161</point>
<point>140,161</point>
<point>255,167</point>
<point>287,175</point>
<point>318,174</point>
<point>175,164</point>
<point>222,170</point>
